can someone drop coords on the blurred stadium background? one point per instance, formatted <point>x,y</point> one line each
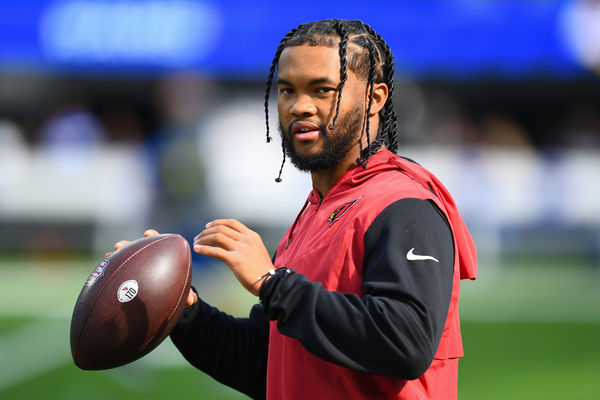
<point>120,115</point>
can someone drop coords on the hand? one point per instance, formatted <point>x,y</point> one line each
<point>237,246</point>
<point>121,243</point>
<point>192,298</point>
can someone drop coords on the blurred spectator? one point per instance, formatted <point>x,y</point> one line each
<point>582,128</point>
<point>14,155</point>
<point>180,203</point>
<point>184,99</point>
<point>69,136</point>
<point>123,125</point>
<point>447,121</point>
<point>409,102</point>
<point>498,129</point>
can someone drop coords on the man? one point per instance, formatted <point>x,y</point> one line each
<point>361,300</point>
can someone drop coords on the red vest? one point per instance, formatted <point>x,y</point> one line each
<point>326,243</point>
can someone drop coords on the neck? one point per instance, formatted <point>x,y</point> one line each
<point>323,180</point>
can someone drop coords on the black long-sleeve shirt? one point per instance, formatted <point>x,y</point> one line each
<point>393,329</point>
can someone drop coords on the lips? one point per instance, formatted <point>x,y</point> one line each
<point>303,130</point>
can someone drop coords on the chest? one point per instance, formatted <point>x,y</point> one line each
<point>327,242</point>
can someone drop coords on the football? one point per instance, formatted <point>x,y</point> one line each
<point>130,302</point>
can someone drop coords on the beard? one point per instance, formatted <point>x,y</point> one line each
<point>336,143</point>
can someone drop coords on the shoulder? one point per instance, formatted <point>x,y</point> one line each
<point>410,213</point>
<point>400,179</point>
<point>395,192</point>
<point>408,225</point>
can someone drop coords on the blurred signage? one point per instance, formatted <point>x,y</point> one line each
<point>162,33</point>
<point>458,39</point>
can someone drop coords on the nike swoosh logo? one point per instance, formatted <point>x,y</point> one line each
<point>417,257</point>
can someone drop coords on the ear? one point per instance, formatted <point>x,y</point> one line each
<point>380,95</point>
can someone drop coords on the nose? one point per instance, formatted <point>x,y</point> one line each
<point>303,106</point>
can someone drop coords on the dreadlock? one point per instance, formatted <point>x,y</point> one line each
<point>376,63</point>
<point>344,68</point>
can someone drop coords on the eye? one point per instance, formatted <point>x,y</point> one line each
<point>286,90</point>
<point>324,90</point>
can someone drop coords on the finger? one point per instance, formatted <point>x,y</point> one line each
<point>212,251</point>
<point>192,298</point>
<point>121,243</point>
<point>231,223</point>
<point>150,232</point>
<point>216,239</point>
<point>219,230</point>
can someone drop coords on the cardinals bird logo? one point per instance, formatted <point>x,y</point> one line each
<point>341,210</point>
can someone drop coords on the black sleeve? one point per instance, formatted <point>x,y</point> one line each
<point>395,328</point>
<point>231,350</point>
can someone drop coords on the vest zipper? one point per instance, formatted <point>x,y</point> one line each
<point>302,234</point>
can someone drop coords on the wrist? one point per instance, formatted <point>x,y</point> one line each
<point>272,277</point>
<point>263,278</point>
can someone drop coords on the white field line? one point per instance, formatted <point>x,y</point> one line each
<point>44,344</point>
<point>47,293</point>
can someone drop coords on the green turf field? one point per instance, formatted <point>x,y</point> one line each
<point>530,332</point>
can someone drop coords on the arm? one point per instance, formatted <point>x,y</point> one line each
<point>395,328</point>
<point>231,350</point>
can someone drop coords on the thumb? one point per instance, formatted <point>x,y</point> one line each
<point>192,298</point>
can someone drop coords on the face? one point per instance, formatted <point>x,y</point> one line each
<point>309,77</point>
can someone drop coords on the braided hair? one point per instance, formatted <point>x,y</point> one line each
<point>374,61</point>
